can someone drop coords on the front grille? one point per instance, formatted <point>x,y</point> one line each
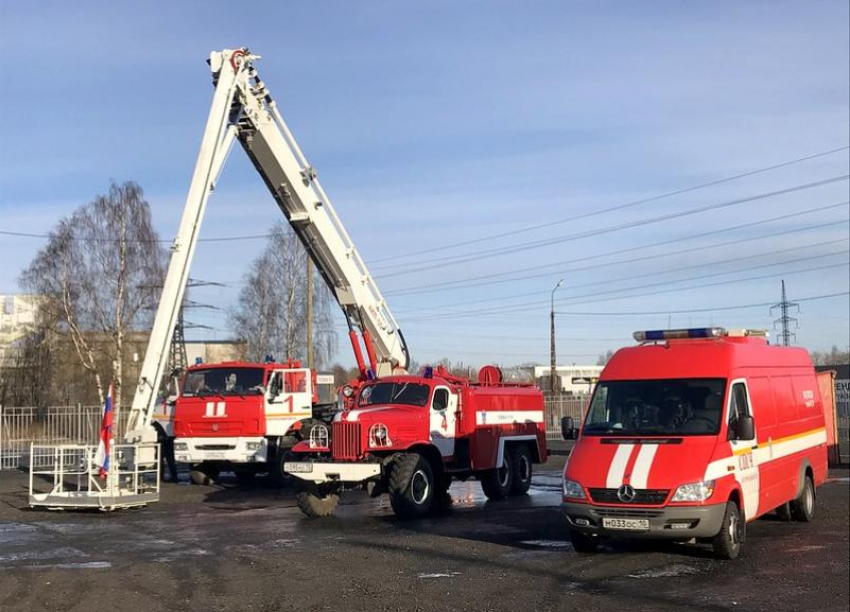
<point>215,447</point>
<point>628,513</point>
<point>345,440</point>
<point>643,497</point>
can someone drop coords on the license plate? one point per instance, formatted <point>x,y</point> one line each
<point>626,524</point>
<point>298,468</point>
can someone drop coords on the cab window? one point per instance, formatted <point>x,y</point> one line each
<point>739,406</point>
<point>441,399</point>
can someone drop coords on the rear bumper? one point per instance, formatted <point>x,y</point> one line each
<point>671,522</point>
<point>355,473</point>
<point>226,450</point>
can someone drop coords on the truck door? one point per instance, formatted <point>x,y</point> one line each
<point>444,420</point>
<point>747,472</point>
<point>289,399</point>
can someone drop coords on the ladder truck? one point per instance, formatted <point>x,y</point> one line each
<point>402,434</point>
<point>280,395</point>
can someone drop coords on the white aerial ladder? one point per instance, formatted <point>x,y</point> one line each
<point>243,109</point>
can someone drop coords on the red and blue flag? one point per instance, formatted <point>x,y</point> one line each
<point>101,458</point>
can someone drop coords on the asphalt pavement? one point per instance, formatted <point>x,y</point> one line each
<point>230,548</point>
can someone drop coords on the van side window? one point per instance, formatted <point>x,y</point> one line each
<point>739,406</point>
<point>441,399</point>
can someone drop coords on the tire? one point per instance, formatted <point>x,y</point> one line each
<point>203,475</point>
<point>411,486</point>
<point>283,453</point>
<point>317,502</point>
<point>803,507</point>
<point>583,543</point>
<point>497,483</point>
<point>523,470</point>
<point>728,542</point>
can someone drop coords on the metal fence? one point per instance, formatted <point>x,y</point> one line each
<point>843,440</point>
<point>559,406</point>
<point>22,426</point>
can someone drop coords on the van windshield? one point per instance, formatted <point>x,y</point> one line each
<point>668,407</point>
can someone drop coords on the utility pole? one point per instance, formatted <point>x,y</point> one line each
<point>310,313</point>
<point>553,372</point>
<point>786,336</point>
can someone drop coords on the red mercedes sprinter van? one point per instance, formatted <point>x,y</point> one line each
<point>693,434</point>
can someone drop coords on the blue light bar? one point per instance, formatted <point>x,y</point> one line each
<point>679,334</point>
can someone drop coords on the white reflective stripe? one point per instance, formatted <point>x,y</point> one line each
<point>501,417</point>
<point>646,455</point>
<point>500,454</point>
<point>765,453</point>
<point>618,465</point>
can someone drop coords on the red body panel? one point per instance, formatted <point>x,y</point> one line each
<point>784,401</point>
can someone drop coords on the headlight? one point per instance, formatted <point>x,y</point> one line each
<point>319,436</point>
<point>253,446</point>
<point>573,489</point>
<point>181,446</point>
<point>379,436</point>
<point>694,492</point>
<point>348,391</point>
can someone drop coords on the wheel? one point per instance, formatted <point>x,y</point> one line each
<point>245,477</point>
<point>497,483</point>
<point>583,543</point>
<point>317,502</point>
<point>522,470</point>
<point>203,474</point>
<point>803,508</point>
<point>728,542</point>
<point>411,485</point>
<point>282,454</point>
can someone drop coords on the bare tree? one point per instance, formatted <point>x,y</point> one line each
<point>95,274</point>
<point>271,313</point>
<point>833,357</point>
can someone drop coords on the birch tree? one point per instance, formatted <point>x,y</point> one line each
<point>271,313</point>
<point>96,274</point>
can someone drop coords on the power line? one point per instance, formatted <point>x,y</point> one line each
<point>475,255</point>
<point>653,274</point>
<point>465,282</point>
<point>613,208</point>
<point>524,306</point>
<point>697,310</point>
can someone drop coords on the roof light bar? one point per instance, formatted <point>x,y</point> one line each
<point>679,334</point>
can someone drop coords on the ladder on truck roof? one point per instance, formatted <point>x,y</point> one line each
<point>243,109</point>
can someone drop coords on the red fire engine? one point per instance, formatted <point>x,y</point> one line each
<point>693,434</point>
<point>244,417</point>
<point>410,436</point>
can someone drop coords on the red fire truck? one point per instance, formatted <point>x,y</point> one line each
<point>410,436</point>
<point>244,417</point>
<point>693,434</point>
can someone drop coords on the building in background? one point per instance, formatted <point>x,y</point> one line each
<point>573,379</point>
<point>17,316</point>
<point>215,351</point>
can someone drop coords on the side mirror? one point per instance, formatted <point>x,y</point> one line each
<point>742,428</point>
<point>568,429</point>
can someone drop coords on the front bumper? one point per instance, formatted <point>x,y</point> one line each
<point>333,472</point>
<point>225,450</point>
<point>673,522</point>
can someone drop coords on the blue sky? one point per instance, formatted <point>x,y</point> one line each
<point>442,123</point>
